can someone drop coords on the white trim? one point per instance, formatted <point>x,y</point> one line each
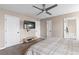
<point>10,46</point>
<point>2,48</point>
<point>70,18</point>
<point>14,45</point>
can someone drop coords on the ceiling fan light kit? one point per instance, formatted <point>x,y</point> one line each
<point>44,9</point>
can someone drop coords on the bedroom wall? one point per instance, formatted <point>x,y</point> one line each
<point>58,23</point>
<point>1,30</point>
<point>72,26</point>
<point>22,17</point>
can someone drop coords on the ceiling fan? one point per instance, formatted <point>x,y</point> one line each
<point>44,9</point>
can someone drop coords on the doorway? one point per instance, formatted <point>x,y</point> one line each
<point>49,28</point>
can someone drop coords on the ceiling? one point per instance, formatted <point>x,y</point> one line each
<point>29,10</point>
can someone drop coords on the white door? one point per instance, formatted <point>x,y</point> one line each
<point>12,30</point>
<point>43,28</point>
<point>49,28</point>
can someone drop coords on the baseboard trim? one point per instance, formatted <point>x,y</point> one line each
<point>2,48</point>
<point>10,46</point>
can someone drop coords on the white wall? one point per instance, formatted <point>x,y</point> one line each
<point>37,32</point>
<point>77,28</point>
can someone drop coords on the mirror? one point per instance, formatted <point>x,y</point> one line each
<point>69,28</point>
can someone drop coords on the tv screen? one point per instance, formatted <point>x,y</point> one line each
<point>29,24</point>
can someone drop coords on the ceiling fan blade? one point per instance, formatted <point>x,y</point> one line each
<point>51,7</point>
<point>40,13</point>
<point>48,13</point>
<point>37,8</point>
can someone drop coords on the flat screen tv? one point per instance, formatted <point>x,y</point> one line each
<point>29,24</point>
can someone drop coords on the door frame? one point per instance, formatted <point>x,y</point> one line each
<point>70,18</point>
<point>49,22</point>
